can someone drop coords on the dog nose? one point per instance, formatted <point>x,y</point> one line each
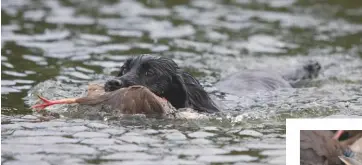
<point>115,82</point>
<point>112,85</point>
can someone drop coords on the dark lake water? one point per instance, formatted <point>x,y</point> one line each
<point>55,47</point>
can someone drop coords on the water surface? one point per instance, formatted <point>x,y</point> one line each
<point>56,47</point>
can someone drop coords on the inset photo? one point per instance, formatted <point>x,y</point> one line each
<point>327,147</point>
<point>324,141</point>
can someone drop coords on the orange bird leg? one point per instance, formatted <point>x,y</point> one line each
<point>47,102</point>
<point>338,134</point>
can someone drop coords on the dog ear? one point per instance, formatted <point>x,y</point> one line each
<point>196,97</point>
<point>180,81</point>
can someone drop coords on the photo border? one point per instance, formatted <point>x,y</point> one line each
<point>293,127</point>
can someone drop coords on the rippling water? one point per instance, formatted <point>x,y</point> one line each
<point>55,47</point>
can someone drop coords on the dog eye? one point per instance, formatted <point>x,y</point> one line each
<point>149,73</point>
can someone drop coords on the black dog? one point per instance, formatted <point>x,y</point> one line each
<point>164,78</point>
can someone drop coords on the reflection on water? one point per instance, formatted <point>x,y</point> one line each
<point>56,47</point>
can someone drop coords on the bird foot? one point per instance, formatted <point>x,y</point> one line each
<point>43,105</point>
<point>47,102</point>
<point>338,134</point>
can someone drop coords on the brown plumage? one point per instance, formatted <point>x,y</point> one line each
<point>131,100</point>
<point>318,148</point>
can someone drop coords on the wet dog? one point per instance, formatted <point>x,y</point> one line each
<point>165,79</point>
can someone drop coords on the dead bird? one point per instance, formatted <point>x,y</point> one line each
<point>322,148</point>
<point>131,100</point>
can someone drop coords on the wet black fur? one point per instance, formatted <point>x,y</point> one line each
<point>164,78</point>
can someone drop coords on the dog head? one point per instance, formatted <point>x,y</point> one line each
<point>164,78</point>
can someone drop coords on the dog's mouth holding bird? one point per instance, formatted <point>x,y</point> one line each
<point>144,85</point>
